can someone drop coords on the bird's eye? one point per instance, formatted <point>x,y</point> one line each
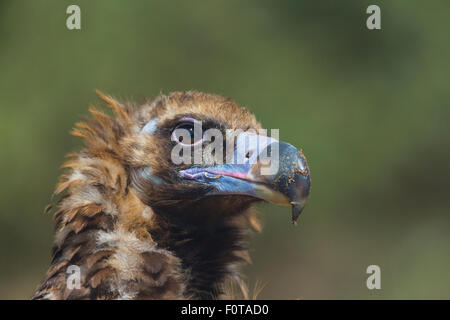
<point>188,133</point>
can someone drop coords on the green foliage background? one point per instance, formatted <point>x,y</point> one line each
<point>370,109</point>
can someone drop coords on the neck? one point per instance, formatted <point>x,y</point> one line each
<point>126,250</point>
<point>208,244</point>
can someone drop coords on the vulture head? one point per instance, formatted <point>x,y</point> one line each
<point>159,202</point>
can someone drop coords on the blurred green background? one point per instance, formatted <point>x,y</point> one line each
<point>370,109</point>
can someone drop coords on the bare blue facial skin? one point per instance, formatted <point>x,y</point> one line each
<point>288,184</point>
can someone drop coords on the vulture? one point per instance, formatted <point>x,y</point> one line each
<point>132,221</point>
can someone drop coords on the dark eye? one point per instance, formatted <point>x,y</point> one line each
<point>185,133</point>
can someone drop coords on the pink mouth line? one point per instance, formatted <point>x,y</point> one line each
<point>198,172</point>
<point>237,175</point>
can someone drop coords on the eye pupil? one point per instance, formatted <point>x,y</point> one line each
<point>180,137</point>
<point>190,129</point>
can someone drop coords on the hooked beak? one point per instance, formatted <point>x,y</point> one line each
<point>275,172</point>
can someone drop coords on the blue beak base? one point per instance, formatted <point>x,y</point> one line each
<point>289,185</point>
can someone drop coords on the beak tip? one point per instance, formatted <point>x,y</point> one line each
<point>297,208</point>
<point>292,179</point>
